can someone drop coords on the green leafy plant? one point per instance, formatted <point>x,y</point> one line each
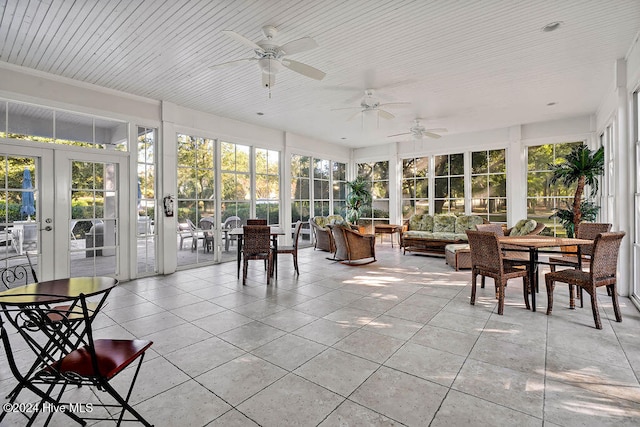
<point>359,195</point>
<point>588,209</point>
<point>580,167</point>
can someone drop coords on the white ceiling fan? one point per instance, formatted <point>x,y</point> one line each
<point>417,131</point>
<point>271,58</point>
<point>371,104</point>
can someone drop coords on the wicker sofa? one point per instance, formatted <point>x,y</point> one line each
<point>431,233</point>
<point>323,239</point>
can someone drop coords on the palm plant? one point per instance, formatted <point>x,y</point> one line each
<point>358,196</point>
<point>581,167</point>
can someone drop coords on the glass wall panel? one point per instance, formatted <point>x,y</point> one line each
<point>488,185</point>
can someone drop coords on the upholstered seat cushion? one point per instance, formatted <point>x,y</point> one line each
<point>449,236</point>
<point>467,222</point>
<point>444,223</point>
<point>413,234</point>
<point>455,247</point>
<point>523,227</point>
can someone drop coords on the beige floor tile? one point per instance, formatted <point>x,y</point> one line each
<point>524,358</point>
<point>175,338</point>
<point>289,351</point>
<point>337,371</point>
<point>427,363</point>
<point>393,327</point>
<point>569,406</point>
<point>240,378</point>
<point>299,402</point>
<point>233,418</point>
<point>203,356</point>
<point>325,331</point>
<point>445,339</point>
<point>251,335</point>
<point>352,414</point>
<point>400,396</point>
<point>369,345</point>
<point>186,404</point>
<point>459,409</point>
<point>503,386</point>
<point>197,311</point>
<point>222,322</point>
<point>288,319</point>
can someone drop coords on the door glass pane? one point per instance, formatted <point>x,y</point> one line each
<point>19,219</point>
<point>93,228</point>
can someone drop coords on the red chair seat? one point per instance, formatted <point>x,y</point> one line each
<point>112,357</point>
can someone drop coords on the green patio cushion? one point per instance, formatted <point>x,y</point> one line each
<point>442,235</point>
<point>444,223</point>
<point>523,227</point>
<point>467,222</point>
<point>421,222</point>
<point>455,247</point>
<point>417,234</point>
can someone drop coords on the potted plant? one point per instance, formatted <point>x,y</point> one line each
<point>581,167</point>
<point>358,196</point>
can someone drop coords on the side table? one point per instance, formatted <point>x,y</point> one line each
<point>387,229</point>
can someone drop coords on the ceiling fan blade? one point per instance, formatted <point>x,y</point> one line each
<point>393,104</point>
<point>297,46</point>
<point>346,108</point>
<point>353,116</point>
<point>399,134</point>
<point>385,114</point>
<point>304,69</point>
<point>231,63</point>
<point>242,39</point>
<point>431,134</point>
<point>438,130</point>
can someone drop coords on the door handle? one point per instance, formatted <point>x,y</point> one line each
<point>47,228</point>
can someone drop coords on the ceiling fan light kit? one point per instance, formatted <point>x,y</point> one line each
<point>272,58</point>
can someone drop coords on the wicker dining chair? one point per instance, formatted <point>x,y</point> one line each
<point>293,250</point>
<point>257,246</point>
<point>603,265</point>
<point>585,230</point>
<point>256,221</point>
<point>487,260</point>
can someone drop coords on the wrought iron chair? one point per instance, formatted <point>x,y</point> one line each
<point>487,260</point>
<point>66,354</point>
<point>603,265</point>
<point>257,246</point>
<point>17,270</point>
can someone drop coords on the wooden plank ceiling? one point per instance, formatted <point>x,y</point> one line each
<point>462,65</point>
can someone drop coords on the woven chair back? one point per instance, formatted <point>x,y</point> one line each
<point>296,234</point>
<point>494,228</point>
<point>604,262</point>
<point>485,250</point>
<point>589,231</point>
<point>257,239</point>
<point>256,221</point>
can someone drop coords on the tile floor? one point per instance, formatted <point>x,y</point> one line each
<point>395,342</point>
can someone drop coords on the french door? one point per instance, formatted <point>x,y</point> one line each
<point>74,226</point>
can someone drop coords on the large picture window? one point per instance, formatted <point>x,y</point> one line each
<point>489,185</point>
<point>236,180</point>
<point>449,184</point>
<point>377,174</point>
<point>542,196</point>
<point>268,185</point>
<point>415,186</point>
<point>146,199</point>
<point>321,173</point>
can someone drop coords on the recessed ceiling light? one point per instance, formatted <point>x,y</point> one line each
<point>551,104</point>
<point>552,26</point>
<point>260,114</point>
<point>343,137</point>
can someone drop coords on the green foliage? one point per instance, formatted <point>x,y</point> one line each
<point>358,196</point>
<point>565,216</point>
<point>580,167</point>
